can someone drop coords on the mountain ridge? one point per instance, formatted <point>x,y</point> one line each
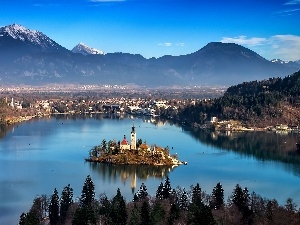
<point>30,57</point>
<point>86,50</point>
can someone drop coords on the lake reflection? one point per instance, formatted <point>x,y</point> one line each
<point>129,173</point>
<point>42,154</point>
<point>264,146</point>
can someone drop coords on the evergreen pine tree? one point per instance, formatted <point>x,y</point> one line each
<point>206,217</point>
<point>135,216</point>
<point>238,197</point>
<point>143,191</point>
<point>105,207</point>
<point>183,201</point>
<point>217,197</point>
<point>200,215</point>
<point>88,193</point>
<point>196,195</point>
<point>54,208</point>
<point>119,212</point>
<point>174,214</point>
<point>159,192</point>
<point>80,217</point>
<point>86,213</point>
<point>136,197</point>
<point>145,214</point>
<point>141,194</point>
<point>166,191</point>
<point>29,218</point>
<point>22,220</point>
<point>241,199</point>
<point>104,146</point>
<point>157,214</point>
<point>66,201</point>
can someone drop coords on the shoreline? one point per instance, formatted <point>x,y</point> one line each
<point>131,157</point>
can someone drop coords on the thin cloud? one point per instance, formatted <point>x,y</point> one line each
<point>243,40</point>
<point>181,44</point>
<point>293,2</point>
<point>285,47</point>
<point>169,44</point>
<point>288,12</point>
<point>166,44</point>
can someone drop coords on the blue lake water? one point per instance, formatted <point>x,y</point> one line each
<point>40,155</point>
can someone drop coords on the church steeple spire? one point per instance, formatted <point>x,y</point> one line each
<point>133,137</point>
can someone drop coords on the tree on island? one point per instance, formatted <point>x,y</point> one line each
<point>139,142</point>
<point>104,146</point>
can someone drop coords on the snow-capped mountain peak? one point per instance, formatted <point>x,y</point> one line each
<point>86,50</point>
<point>279,61</point>
<point>34,37</point>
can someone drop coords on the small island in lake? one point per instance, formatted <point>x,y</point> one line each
<point>134,153</point>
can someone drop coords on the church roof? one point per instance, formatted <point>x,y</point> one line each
<point>124,142</point>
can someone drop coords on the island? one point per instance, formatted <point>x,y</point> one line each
<point>134,153</point>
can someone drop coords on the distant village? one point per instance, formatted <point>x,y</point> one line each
<point>133,106</point>
<point>234,125</point>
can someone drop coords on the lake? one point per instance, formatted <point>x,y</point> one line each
<point>42,154</point>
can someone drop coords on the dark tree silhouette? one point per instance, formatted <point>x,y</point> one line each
<point>145,214</point>
<point>167,189</point>
<point>159,192</point>
<point>217,197</point>
<point>174,214</point>
<point>66,201</point>
<point>88,192</point>
<point>135,216</point>
<point>196,195</point>
<point>54,208</point>
<point>119,211</point>
<point>141,194</point>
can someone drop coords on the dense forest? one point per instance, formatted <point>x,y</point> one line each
<point>168,206</point>
<point>257,103</point>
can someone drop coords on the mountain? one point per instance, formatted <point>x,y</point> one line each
<point>292,64</point>
<point>18,38</point>
<point>86,50</point>
<point>223,63</point>
<point>30,57</point>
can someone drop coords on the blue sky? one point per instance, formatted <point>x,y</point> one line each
<point>154,28</point>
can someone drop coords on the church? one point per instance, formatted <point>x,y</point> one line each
<point>124,145</point>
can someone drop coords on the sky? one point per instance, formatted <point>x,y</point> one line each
<point>154,28</point>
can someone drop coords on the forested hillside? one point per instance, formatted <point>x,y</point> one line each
<point>259,103</point>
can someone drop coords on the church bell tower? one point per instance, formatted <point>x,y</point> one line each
<point>133,138</point>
